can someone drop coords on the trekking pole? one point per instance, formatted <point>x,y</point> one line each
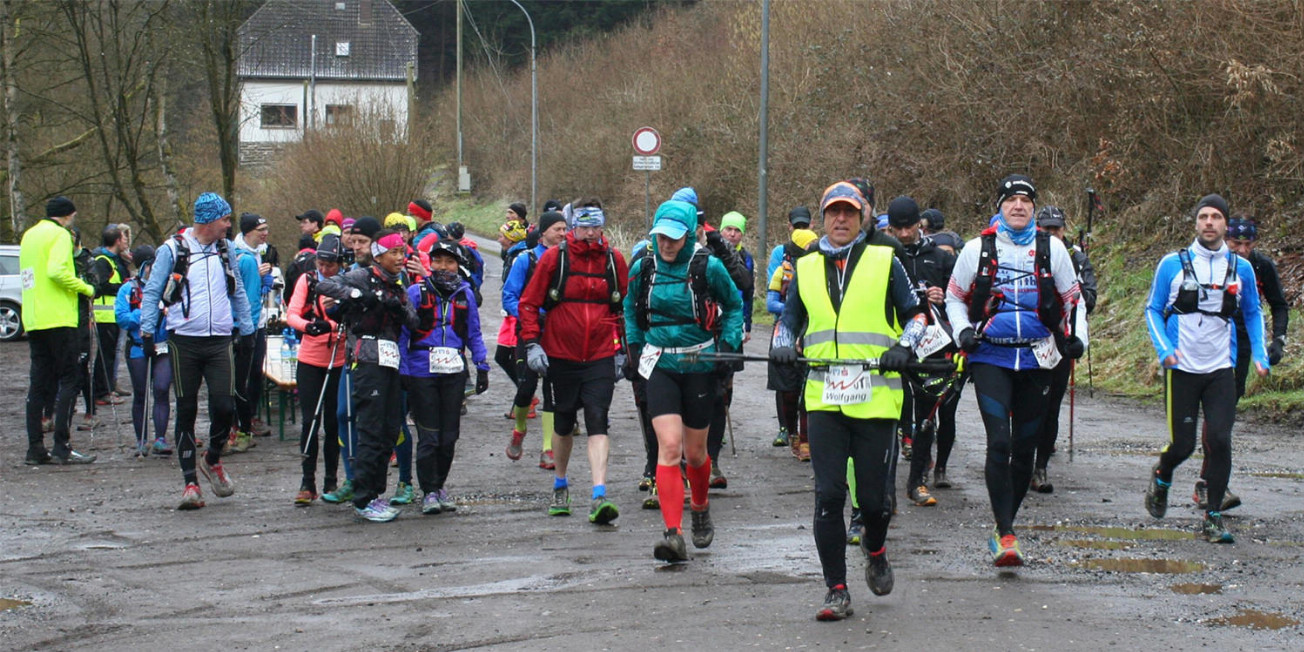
<point>927,366</point>
<point>321,396</point>
<point>1093,206</point>
<point>728,420</point>
<point>348,411</point>
<point>1073,392</point>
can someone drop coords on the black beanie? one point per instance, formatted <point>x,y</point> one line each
<point>934,218</point>
<point>519,209</point>
<point>329,249</point>
<point>1214,200</point>
<point>142,255</point>
<point>799,215</point>
<point>250,221</point>
<point>307,242</point>
<point>1015,184</point>
<point>367,226</point>
<point>902,212</point>
<point>59,207</point>
<point>548,219</point>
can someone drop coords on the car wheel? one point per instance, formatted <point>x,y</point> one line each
<point>11,322</point>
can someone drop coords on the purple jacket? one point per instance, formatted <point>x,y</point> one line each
<point>454,314</point>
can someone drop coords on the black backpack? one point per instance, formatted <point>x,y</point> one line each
<point>178,282</point>
<point>982,302</point>
<point>706,310</point>
<point>1188,295</point>
<point>557,290</point>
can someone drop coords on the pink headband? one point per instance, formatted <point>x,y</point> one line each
<point>391,241</point>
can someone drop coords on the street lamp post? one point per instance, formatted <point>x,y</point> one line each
<point>534,113</point>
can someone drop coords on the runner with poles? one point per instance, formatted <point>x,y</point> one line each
<point>849,299</point>
<point>1009,301</point>
<point>321,359</point>
<point>680,301</point>
<point>148,375</point>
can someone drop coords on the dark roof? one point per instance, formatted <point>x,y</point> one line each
<point>276,41</point>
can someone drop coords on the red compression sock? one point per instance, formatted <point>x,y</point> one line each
<point>699,481</point>
<point>670,487</point>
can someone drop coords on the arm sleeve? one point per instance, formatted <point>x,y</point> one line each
<point>340,286</point>
<point>240,308</point>
<point>903,295</point>
<point>776,259</point>
<point>514,284</point>
<point>1155,306</point>
<point>634,336</point>
<point>1272,293</point>
<point>1252,311</point>
<point>294,315</point>
<point>726,292</point>
<point>774,302</point>
<point>792,323</point>
<point>957,289</point>
<point>153,293</point>
<point>1066,279</point>
<point>60,268</point>
<point>532,297</point>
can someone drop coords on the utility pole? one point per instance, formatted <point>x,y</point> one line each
<point>463,177</point>
<point>534,113</point>
<point>762,171</point>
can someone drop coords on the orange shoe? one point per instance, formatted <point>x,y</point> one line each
<point>514,448</point>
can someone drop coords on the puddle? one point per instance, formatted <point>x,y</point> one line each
<point>1278,474</point>
<point>1255,619</point>
<point>1166,566</point>
<point>7,604</point>
<point>1197,589</point>
<point>1095,544</point>
<point>1144,534</point>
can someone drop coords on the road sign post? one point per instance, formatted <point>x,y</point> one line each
<point>647,142</point>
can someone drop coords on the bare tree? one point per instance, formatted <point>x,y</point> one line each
<point>221,19</point>
<point>8,33</point>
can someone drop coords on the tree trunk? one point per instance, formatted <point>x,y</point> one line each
<point>165,154</point>
<point>221,50</point>
<point>17,205</point>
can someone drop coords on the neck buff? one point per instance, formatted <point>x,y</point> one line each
<point>445,281</point>
<point>1021,237</point>
<point>386,243</point>
<point>829,250</point>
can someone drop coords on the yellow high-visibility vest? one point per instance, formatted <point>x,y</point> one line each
<point>102,308</point>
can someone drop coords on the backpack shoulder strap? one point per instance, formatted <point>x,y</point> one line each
<point>980,293</point>
<point>643,302</point>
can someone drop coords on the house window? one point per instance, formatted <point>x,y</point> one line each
<point>280,116</point>
<point>341,48</point>
<point>338,114</point>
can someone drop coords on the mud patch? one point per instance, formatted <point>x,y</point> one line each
<point>1197,589</point>
<point>1095,544</point>
<point>1255,619</point>
<point>7,604</point>
<point>1163,566</point>
<point>1143,534</point>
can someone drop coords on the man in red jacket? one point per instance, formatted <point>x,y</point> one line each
<point>570,323</point>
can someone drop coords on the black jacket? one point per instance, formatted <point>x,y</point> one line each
<point>363,293</point>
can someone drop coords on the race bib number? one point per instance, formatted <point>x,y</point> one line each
<point>1047,354</point>
<point>846,385</point>
<point>387,353</point>
<point>445,360</point>
<point>29,278</point>
<point>935,339</point>
<point>647,361</point>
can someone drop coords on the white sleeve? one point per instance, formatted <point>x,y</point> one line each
<point>957,290</point>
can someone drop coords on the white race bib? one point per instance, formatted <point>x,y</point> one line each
<point>1047,354</point>
<point>445,360</point>
<point>29,278</point>
<point>935,339</point>
<point>387,353</point>
<point>846,385</point>
<point>647,360</point>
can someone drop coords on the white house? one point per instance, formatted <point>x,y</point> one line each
<point>313,64</point>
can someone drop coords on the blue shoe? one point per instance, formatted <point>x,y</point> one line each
<point>1214,531</point>
<point>404,495</point>
<point>430,503</point>
<point>377,511</point>
<point>341,495</point>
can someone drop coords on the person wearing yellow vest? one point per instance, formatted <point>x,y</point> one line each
<point>49,281</point>
<point>111,267</point>
<point>848,300</point>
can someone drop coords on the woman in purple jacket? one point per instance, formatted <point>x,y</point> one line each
<point>434,370</point>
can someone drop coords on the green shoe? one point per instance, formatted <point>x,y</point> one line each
<point>560,502</point>
<point>342,495</point>
<point>652,501</point>
<point>782,439</point>
<point>404,495</point>
<point>603,512</point>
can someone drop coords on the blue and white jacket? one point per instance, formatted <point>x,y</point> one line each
<point>1204,342</point>
<point>516,279</point>
<point>211,312</point>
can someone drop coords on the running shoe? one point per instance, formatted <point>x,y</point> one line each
<point>122,392</point>
<point>377,511</point>
<point>878,573</point>
<point>652,501</point>
<point>430,503</point>
<point>645,483</point>
<point>1040,482</point>
<point>1214,531</point>
<point>89,422</point>
<point>305,497</point>
<point>940,481</point>
<point>446,502</point>
<point>403,495</point>
<point>560,505</point>
<point>161,447</point>
<point>36,459</point>
<point>671,548</point>
<point>920,496</point>
<point>341,495</point>
<point>837,604</point>
<point>191,498</point>
<point>1230,501</point>
<point>718,481</point>
<point>1201,497</point>
<point>1156,494</point>
<point>603,511</point>
<point>142,451</point>
<point>803,452</point>
<point>534,404</point>
<point>241,442</point>
<point>222,483</point>
<point>781,439</point>
<point>546,461</point>
<point>259,429</point>
<point>1005,550</point>
<point>514,447</point>
<point>857,529</point>
<point>703,529</point>
<point>73,457</point>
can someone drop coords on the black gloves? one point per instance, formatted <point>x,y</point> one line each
<point>147,345</point>
<point>1276,349</point>
<point>394,306</point>
<point>630,368</point>
<point>967,340</point>
<point>894,359</point>
<point>1074,348</point>
<point>242,344</point>
<point>318,327</point>
<point>784,355</point>
<point>481,381</point>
